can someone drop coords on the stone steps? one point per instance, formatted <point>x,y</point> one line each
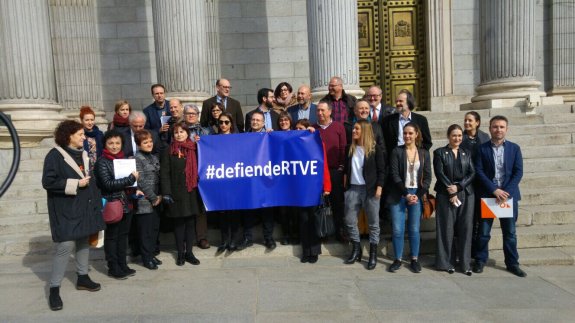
<point>551,214</point>
<point>24,223</point>
<point>545,196</point>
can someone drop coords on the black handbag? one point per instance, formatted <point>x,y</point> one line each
<point>324,224</point>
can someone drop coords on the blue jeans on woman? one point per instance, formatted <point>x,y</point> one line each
<point>398,214</point>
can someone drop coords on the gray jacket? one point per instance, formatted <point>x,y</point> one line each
<point>149,182</point>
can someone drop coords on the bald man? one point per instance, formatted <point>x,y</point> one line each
<point>341,103</point>
<point>304,109</point>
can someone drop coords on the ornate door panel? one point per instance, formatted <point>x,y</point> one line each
<point>392,48</point>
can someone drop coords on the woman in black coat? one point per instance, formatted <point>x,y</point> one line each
<point>116,236</point>
<point>74,207</point>
<point>454,171</point>
<point>179,184</point>
<point>410,177</point>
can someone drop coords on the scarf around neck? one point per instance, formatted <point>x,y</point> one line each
<point>120,121</point>
<point>108,155</point>
<point>187,149</point>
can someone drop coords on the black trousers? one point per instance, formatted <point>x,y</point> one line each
<point>116,241</point>
<point>310,241</point>
<point>184,230</point>
<point>336,199</point>
<point>250,220</point>
<point>229,225</point>
<point>289,221</point>
<point>148,225</point>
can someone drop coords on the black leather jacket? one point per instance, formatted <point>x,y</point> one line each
<point>443,165</point>
<point>112,189</point>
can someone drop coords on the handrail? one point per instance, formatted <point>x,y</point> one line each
<point>15,157</point>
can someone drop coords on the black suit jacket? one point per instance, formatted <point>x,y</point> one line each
<point>390,130</point>
<point>275,117</point>
<point>398,173</point>
<point>233,107</point>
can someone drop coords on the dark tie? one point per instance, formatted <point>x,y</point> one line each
<point>374,116</point>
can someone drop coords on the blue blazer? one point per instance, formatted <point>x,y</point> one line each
<point>312,113</point>
<point>153,121</point>
<point>485,170</point>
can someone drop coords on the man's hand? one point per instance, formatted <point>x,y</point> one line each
<point>501,195</point>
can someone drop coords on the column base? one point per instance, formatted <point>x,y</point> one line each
<point>507,90</point>
<point>318,93</point>
<point>75,115</point>
<point>568,93</point>
<point>32,121</point>
<point>195,98</point>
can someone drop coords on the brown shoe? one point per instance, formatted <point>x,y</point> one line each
<point>204,244</point>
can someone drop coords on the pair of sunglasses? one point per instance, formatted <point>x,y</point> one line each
<point>226,122</point>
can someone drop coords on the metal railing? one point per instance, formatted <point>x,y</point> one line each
<point>15,157</point>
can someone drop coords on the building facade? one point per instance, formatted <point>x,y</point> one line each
<point>464,54</point>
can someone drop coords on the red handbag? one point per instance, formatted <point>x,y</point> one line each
<point>113,211</point>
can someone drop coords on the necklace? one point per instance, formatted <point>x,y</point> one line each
<point>411,168</point>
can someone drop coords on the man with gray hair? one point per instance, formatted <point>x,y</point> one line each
<point>378,110</point>
<point>192,120</point>
<point>340,102</point>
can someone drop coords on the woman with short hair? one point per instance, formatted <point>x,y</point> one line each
<point>179,184</point>
<point>74,207</point>
<point>93,144</point>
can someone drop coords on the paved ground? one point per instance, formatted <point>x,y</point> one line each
<point>272,288</point>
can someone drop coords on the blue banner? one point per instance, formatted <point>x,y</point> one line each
<point>255,170</point>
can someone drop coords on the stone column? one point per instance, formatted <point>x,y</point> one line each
<point>214,70</point>
<point>333,45</point>
<point>181,40</point>
<point>439,49</point>
<point>564,49</point>
<point>27,80</point>
<point>76,56</point>
<point>507,54</point>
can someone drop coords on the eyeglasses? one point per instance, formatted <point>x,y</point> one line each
<point>226,122</point>
<point>226,87</point>
<point>191,114</point>
<point>216,111</point>
<point>373,95</point>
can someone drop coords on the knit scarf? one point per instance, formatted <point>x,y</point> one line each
<point>108,155</point>
<point>97,135</point>
<point>120,121</point>
<point>187,149</point>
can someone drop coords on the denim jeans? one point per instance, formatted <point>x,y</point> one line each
<point>398,215</point>
<point>509,238</point>
<point>356,198</point>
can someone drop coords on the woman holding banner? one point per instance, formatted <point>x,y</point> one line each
<point>116,235</point>
<point>229,219</point>
<point>454,171</point>
<point>364,176</point>
<point>410,177</point>
<point>179,184</point>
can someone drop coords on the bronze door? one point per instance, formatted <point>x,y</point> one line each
<point>392,48</point>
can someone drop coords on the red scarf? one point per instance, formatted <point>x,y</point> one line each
<point>120,121</point>
<point>187,149</point>
<point>108,155</point>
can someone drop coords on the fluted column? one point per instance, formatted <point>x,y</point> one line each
<point>181,40</point>
<point>507,56</point>
<point>439,48</point>
<point>564,49</point>
<point>76,56</point>
<point>214,70</point>
<point>333,47</point>
<point>27,80</point>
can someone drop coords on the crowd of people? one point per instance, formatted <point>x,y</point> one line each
<point>377,158</point>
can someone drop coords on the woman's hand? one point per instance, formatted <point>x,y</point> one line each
<point>136,174</point>
<point>325,193</point>
<point>378,192</point>
<point>157,201</point>
<point>411,199</point>
<point>452,189</point>
<point>84,181</point>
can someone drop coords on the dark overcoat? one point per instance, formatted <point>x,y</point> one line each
<point>173,182</point>
<point>74,212</point>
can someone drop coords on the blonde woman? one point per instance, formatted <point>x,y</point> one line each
<point>363,180</point>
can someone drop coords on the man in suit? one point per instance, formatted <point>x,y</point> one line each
<point>265,100</point>
<point>305,109</point>
<point>499,169</point>
<point>393,125</point>
<point>231,106</point>
<point>378,110</point>
<point>159,108</point>
<point>361,111</point>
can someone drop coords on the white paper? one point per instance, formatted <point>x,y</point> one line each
<point>165,119</point>
<point>123,168</point>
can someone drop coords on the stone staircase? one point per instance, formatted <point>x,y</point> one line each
<point>546,225</point>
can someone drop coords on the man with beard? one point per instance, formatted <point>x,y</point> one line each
<point>265,100</point>
<point>305,109</point>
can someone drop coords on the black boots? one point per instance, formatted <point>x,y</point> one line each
<point>355,254</point>
<point>180,261</point>
<point>54,299</point>
<point>191,258</point>
<point>372,256</point>
<point>85,283</point>
<point>115,271</point>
